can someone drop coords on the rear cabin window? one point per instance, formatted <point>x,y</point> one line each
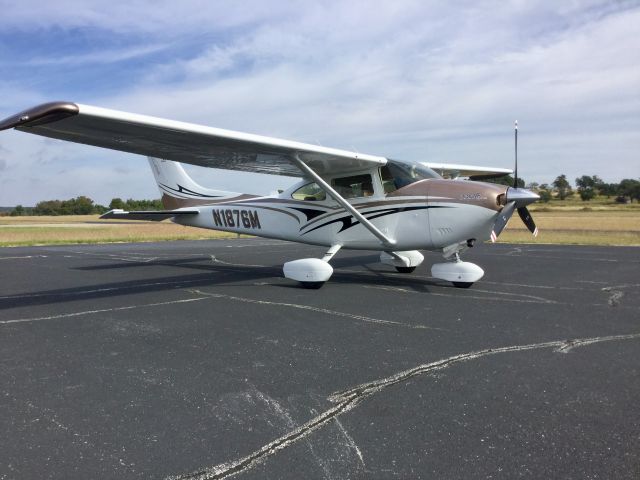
<point>309,192</point>
<point>354,186</point>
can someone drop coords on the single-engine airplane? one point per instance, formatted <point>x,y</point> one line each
<point>344,199</point>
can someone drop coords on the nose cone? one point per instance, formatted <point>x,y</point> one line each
<point>521,196</point>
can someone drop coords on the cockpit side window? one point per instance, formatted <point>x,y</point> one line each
<point>309,192</point>
<point>353,186</point>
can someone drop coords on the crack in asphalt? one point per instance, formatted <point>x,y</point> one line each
<point>616,293</point>
<point>347,400</point>
<point>214,259</point>
<point>350,442</point>
<point>614,299</point>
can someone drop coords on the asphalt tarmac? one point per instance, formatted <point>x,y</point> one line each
<point>199,360</point>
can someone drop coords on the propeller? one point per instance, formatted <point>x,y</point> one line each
<point>501,221</point>
<point>528,220</point>
<point>516,198</point>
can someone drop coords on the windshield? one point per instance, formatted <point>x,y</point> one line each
<point>396,174</point>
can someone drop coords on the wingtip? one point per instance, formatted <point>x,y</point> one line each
<point>40,114</point>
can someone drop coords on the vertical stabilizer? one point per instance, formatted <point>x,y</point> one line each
<point>179,190</point>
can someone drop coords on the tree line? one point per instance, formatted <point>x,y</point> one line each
<point>84,206</point>
<point>587,187</point>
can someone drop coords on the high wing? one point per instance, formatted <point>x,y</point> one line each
<point>182,142</point>
<point>474,172</point>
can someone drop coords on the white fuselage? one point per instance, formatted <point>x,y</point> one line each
<point>414,222</point>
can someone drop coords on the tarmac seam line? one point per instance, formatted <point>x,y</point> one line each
<point>102,310</point>
<point>458,295</point>
<point>326,311</point>
<point>23,257</point>
<point>129,288</point>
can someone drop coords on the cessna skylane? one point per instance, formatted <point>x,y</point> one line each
<point>343,200</point>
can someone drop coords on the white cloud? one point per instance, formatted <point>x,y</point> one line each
<point>98,56</point>
<point>161,17</point>
<point>404,79</point>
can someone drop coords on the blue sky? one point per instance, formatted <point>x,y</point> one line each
<point>419,80</point>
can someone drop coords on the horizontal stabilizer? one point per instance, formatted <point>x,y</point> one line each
<point>153,215</point>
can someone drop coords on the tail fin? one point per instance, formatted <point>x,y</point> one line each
<point>179,190</point>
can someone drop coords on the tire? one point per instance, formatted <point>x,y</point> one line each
<point>462,284</point>
<point>312,285</point>
<point>405,269</point>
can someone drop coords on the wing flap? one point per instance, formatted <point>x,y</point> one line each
<point>151,215</point>
<point>182,142</point>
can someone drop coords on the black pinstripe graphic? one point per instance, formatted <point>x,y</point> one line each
<point>348,221</point>
<point>185,192</point>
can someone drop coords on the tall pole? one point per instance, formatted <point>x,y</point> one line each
<point>515,178</point>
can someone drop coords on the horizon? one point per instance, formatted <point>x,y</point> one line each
<point>106,204</point>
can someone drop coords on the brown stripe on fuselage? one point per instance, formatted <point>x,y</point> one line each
<point>279,210</point>
<point>455,191</point>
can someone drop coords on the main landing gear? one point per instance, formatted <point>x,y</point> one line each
<point>461,274</point>
<point>312,273</point>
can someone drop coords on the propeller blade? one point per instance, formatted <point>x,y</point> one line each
<point>501,221</point>
<point>528,220</point>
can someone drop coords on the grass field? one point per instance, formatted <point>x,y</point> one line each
<point>577,227</point>
<point>569,222</point>
<point>572,221</point>
<point>21,231</point>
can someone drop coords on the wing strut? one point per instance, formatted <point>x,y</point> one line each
<point>386,241</point>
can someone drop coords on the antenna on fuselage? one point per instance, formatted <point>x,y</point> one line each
<point>515,173</point>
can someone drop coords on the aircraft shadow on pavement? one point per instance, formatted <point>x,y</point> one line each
<point>213,274</point>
